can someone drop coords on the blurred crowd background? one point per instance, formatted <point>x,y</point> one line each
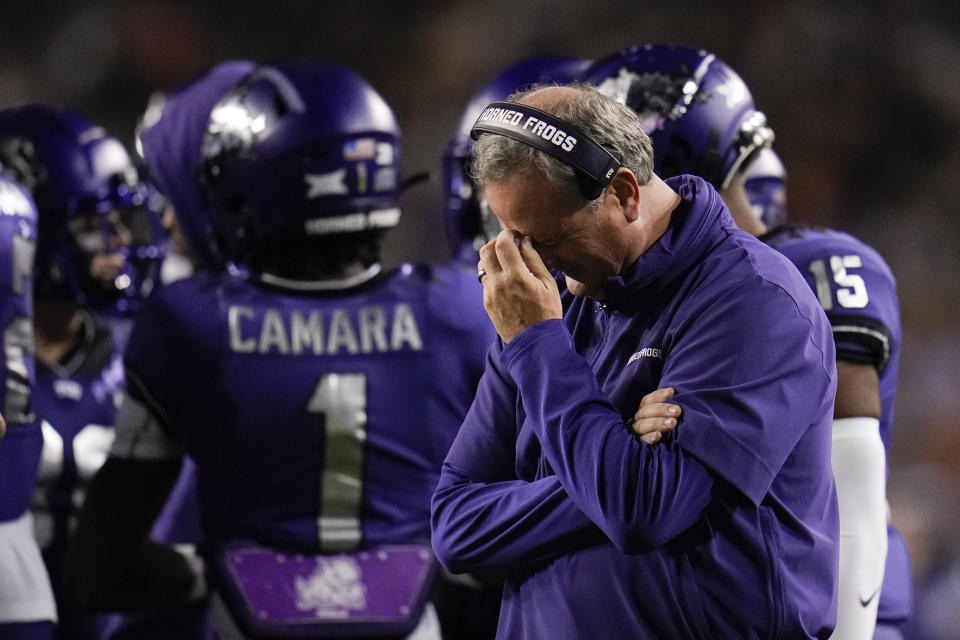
<point>864,98</point>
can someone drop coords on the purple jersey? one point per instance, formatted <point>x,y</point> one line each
<point>545,482</point>
<point>317,421</point>
<point>20,448</point>
<point>27,607</point>
<point>77,402</point>
<point>858,293</point>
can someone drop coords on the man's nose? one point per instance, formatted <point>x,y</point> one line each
<point>547,258</point>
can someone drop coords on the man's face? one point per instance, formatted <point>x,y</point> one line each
<point>571,238</point>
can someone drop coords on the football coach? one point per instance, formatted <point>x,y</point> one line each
<point>605,285</point>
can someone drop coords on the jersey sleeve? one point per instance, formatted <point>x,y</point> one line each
<point>865,314</point>
<point>858,293</point>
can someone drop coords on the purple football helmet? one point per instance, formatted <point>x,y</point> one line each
<point>305,147</point>
<point>468,224</point>
<point>765,181</point>
<point>19,215</point>
<point>698,112</point>
<point>168,140</point>
<point>91,207</point>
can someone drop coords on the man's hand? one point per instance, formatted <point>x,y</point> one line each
<point>655,416</point>
<point>518,290</point>
<point>3,426</point>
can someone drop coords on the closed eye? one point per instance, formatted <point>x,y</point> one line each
<point>552,241</point>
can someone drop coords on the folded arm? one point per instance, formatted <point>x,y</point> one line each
<point>483,516</point>
<point>640,496</point>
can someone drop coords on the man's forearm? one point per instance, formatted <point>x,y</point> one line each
<point>640,496</point>
<point>480,526</point>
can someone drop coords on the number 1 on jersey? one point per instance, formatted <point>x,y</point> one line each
<point>342,399</point>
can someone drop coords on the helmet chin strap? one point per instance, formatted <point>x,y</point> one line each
<point>352,277</point>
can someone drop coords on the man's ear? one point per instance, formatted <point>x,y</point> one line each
<point>625,188</point>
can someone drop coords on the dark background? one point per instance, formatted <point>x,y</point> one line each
<point>864,98</point>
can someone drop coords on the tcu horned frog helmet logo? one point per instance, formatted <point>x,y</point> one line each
<point>698,112</point>
<point>232,127</point>
<point>653,96</point>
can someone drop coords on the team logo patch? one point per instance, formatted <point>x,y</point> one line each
<point>70,389</point>
<point>333,589</point>
<point>233,127</point>
<point>735,92</point>
<point>326,184</point>
<point>648,352</point>
<point>375,592</point>
<point>654,96</point>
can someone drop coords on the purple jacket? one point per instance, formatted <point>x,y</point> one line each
<point>728,528</point>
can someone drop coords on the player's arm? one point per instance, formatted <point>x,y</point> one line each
<point>859,468</point>
<point>858,294</point>
<point>112,564</point>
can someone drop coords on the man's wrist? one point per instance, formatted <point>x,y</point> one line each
<point>552,331</point>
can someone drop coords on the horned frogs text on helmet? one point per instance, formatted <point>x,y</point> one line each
<point>90,202</point>
<point>698,112</point>
<point>468,224</point>
<point>304,147</point>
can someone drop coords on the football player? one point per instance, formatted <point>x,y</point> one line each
<point>316,391</point>
<point>27,607</point>
<point>701,118</point>
<point>98,252</point>
<point>858,291</point>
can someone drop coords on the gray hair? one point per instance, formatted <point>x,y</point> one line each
<point>610,124</point>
